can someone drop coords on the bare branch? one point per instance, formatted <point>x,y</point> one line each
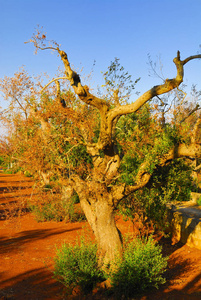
<point>23,109</point>
<point>46,48</point>
<point>56,79</point>
<point>196,134</point>
<point>169,85</point>
<point>74,79</point>
<point>190,113</point>
<point>197,168</point>
<point>81,91</point>
<point>190,58</point>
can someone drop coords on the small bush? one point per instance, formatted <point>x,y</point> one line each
<point>9,171</point>
<point>27,174</point>
<point>1,160</point>
<point>199,201</point>
<point>55,208</point>
<point>77,265</point>
<point>46,212</point>
<point>142,267</point>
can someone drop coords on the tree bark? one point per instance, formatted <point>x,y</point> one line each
<point>101,217</point>
<point>98,206</point>
<point>107,234</point>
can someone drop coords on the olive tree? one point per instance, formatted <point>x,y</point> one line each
<point>100,191</point>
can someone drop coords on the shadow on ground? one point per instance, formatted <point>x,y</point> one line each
<point>36,284</point>
<point>29,236</point>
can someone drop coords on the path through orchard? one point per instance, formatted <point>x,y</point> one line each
<point>27,249</point>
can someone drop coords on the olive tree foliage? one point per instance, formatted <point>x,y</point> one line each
<point>117,80</point>
<point>103,147</point>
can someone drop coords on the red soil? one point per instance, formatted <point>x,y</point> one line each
<point>27,249</point>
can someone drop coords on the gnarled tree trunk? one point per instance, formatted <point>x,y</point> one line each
<point>107,234</point>
<point>97,204</point>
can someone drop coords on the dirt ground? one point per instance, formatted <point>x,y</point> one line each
<point>27,249</point>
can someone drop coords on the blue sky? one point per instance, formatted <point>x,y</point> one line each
<point>101,30</point>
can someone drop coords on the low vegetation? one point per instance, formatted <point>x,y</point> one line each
<point>77,265</point>
<point>140,268</point>
<point>52,205</point>
<point>199,201</point>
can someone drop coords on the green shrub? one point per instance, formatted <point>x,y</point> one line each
<point>142,267</point>
<point>199,201</point>
<point>46,212</point>
<point>9,171</point>
<point>78,265</point>
<point>1,160</point>
<point>57,209</point>
<point>171,183</point>
<point>27,174</point>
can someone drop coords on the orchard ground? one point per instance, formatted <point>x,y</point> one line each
<point>27,250</point>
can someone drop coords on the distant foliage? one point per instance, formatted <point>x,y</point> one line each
<point>56,208</point>
<point>1,161</point>
<point>43,136</point>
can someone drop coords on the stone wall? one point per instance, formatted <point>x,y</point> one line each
<point>185,223</point>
